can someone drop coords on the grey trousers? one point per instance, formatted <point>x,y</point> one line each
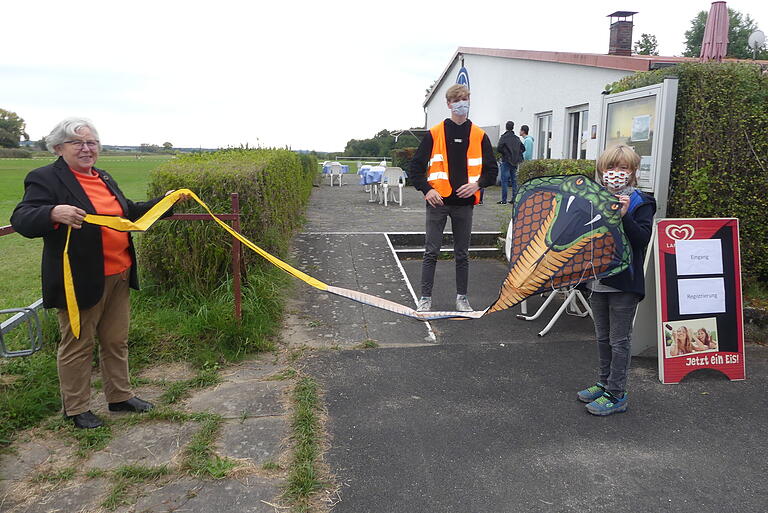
<point>461,226</point>
<point>613,313</point>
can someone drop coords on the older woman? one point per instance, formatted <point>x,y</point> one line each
<point>103,264</point>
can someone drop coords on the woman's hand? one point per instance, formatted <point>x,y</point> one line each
<point>624,201</point>
<point>182,197</point>
<point>69,215</point>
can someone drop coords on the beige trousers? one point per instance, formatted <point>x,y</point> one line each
<point>108,320</point>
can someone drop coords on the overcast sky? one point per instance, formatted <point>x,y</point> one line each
<point>304,74</point>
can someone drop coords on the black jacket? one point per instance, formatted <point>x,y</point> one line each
<point>52,185</point>
<point>511,148</point>
<point>638,226</point>
<point>457,144</point>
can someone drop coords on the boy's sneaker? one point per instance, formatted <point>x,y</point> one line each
<point>607,404</point>
<point>591,393</point>
<point>462,304</point>
<point>424,304</point>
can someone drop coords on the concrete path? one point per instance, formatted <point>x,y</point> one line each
<point>485,417</point>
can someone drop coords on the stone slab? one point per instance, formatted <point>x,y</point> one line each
<point>170,497</point>
<point>147,444</point>
<point>234,400</point>
<point>27,456</point>
<point>252,370</point>
<point>258,440</point>
<point>83,496</point>
<point>248,495</point>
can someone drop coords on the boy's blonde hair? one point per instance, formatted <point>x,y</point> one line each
<point>455,91</point>
<point>618,156</point>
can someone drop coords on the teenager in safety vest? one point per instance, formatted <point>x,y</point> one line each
<point>454,161</point>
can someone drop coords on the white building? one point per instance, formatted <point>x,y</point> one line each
<point>557,94</point>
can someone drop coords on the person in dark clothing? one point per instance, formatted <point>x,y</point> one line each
<point>614,299</point>
<point>103,261</point>
<point>511,149</point>
<point>454,161</point>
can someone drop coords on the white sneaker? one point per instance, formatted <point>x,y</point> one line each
<point>424,304</point>
<point>462,304</point>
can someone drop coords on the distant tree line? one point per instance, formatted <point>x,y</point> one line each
<point>380,144</point>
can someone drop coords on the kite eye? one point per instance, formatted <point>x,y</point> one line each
<point>614,206</point>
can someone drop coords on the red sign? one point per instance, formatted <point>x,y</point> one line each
<point>701,324</point>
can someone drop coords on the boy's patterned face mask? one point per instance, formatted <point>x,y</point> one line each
<point>616,178</point>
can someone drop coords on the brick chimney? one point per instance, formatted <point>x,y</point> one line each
<point>621,33</point>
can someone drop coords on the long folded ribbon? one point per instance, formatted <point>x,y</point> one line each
<point>162,206</point>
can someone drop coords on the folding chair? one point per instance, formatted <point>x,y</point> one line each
<point>392,176</point>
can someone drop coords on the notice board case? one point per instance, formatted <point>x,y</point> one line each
<point>699,315</point>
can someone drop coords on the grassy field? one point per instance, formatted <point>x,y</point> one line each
<point>20,257</point>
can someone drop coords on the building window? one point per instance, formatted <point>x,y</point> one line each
<point>578,132</point>
<point>544,135</point>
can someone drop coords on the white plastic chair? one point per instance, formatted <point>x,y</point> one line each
<point>336,171</point>
<point>392,176</point>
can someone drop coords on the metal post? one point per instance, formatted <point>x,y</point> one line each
<point>236,253</point>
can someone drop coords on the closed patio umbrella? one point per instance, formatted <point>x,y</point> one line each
<point>714,46</point>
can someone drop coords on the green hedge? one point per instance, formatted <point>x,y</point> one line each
<point>550,167</point>
<point>720,150</point>
<point>14,153</point>
<point>274,187</point>
<point>401,157</point>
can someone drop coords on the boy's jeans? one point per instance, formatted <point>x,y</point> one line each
<point>613,313</point>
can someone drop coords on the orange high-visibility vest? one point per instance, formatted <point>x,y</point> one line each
<point>438,173</point>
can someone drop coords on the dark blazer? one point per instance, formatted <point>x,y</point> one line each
<point>52,185</point>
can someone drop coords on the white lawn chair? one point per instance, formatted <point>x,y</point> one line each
<point>393,176</point>
<point>336,171</point>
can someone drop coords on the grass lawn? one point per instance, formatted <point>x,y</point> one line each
<point>20,257</point>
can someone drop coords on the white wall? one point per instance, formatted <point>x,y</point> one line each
<point>516,90</point>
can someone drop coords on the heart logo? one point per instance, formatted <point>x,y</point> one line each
<point>680,231</point>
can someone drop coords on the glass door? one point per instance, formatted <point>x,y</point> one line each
<point>543,136</point>
<point>578,119</point>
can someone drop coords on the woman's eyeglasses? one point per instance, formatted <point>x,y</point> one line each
<point>92,145</point>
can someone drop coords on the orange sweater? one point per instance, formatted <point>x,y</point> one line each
<point>115,244</point>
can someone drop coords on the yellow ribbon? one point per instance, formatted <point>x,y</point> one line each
<point>141,225</point>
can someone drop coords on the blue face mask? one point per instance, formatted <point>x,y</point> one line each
<point>460,108</point>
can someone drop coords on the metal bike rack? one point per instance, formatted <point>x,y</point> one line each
<point>26,315</point>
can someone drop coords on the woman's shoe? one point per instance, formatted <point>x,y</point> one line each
<point>86,420</point>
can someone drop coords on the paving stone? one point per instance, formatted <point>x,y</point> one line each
<point>250,371</point>
<point>237,496</point>
<point>171,497</point>
<point>258,439</point>
<point>233,400</point>
<point>27,457</point>
<point>148,445</point>
<point>83,496</point>
<point>249,495</point>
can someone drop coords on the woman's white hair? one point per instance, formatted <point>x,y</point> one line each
<point>66,130</point>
